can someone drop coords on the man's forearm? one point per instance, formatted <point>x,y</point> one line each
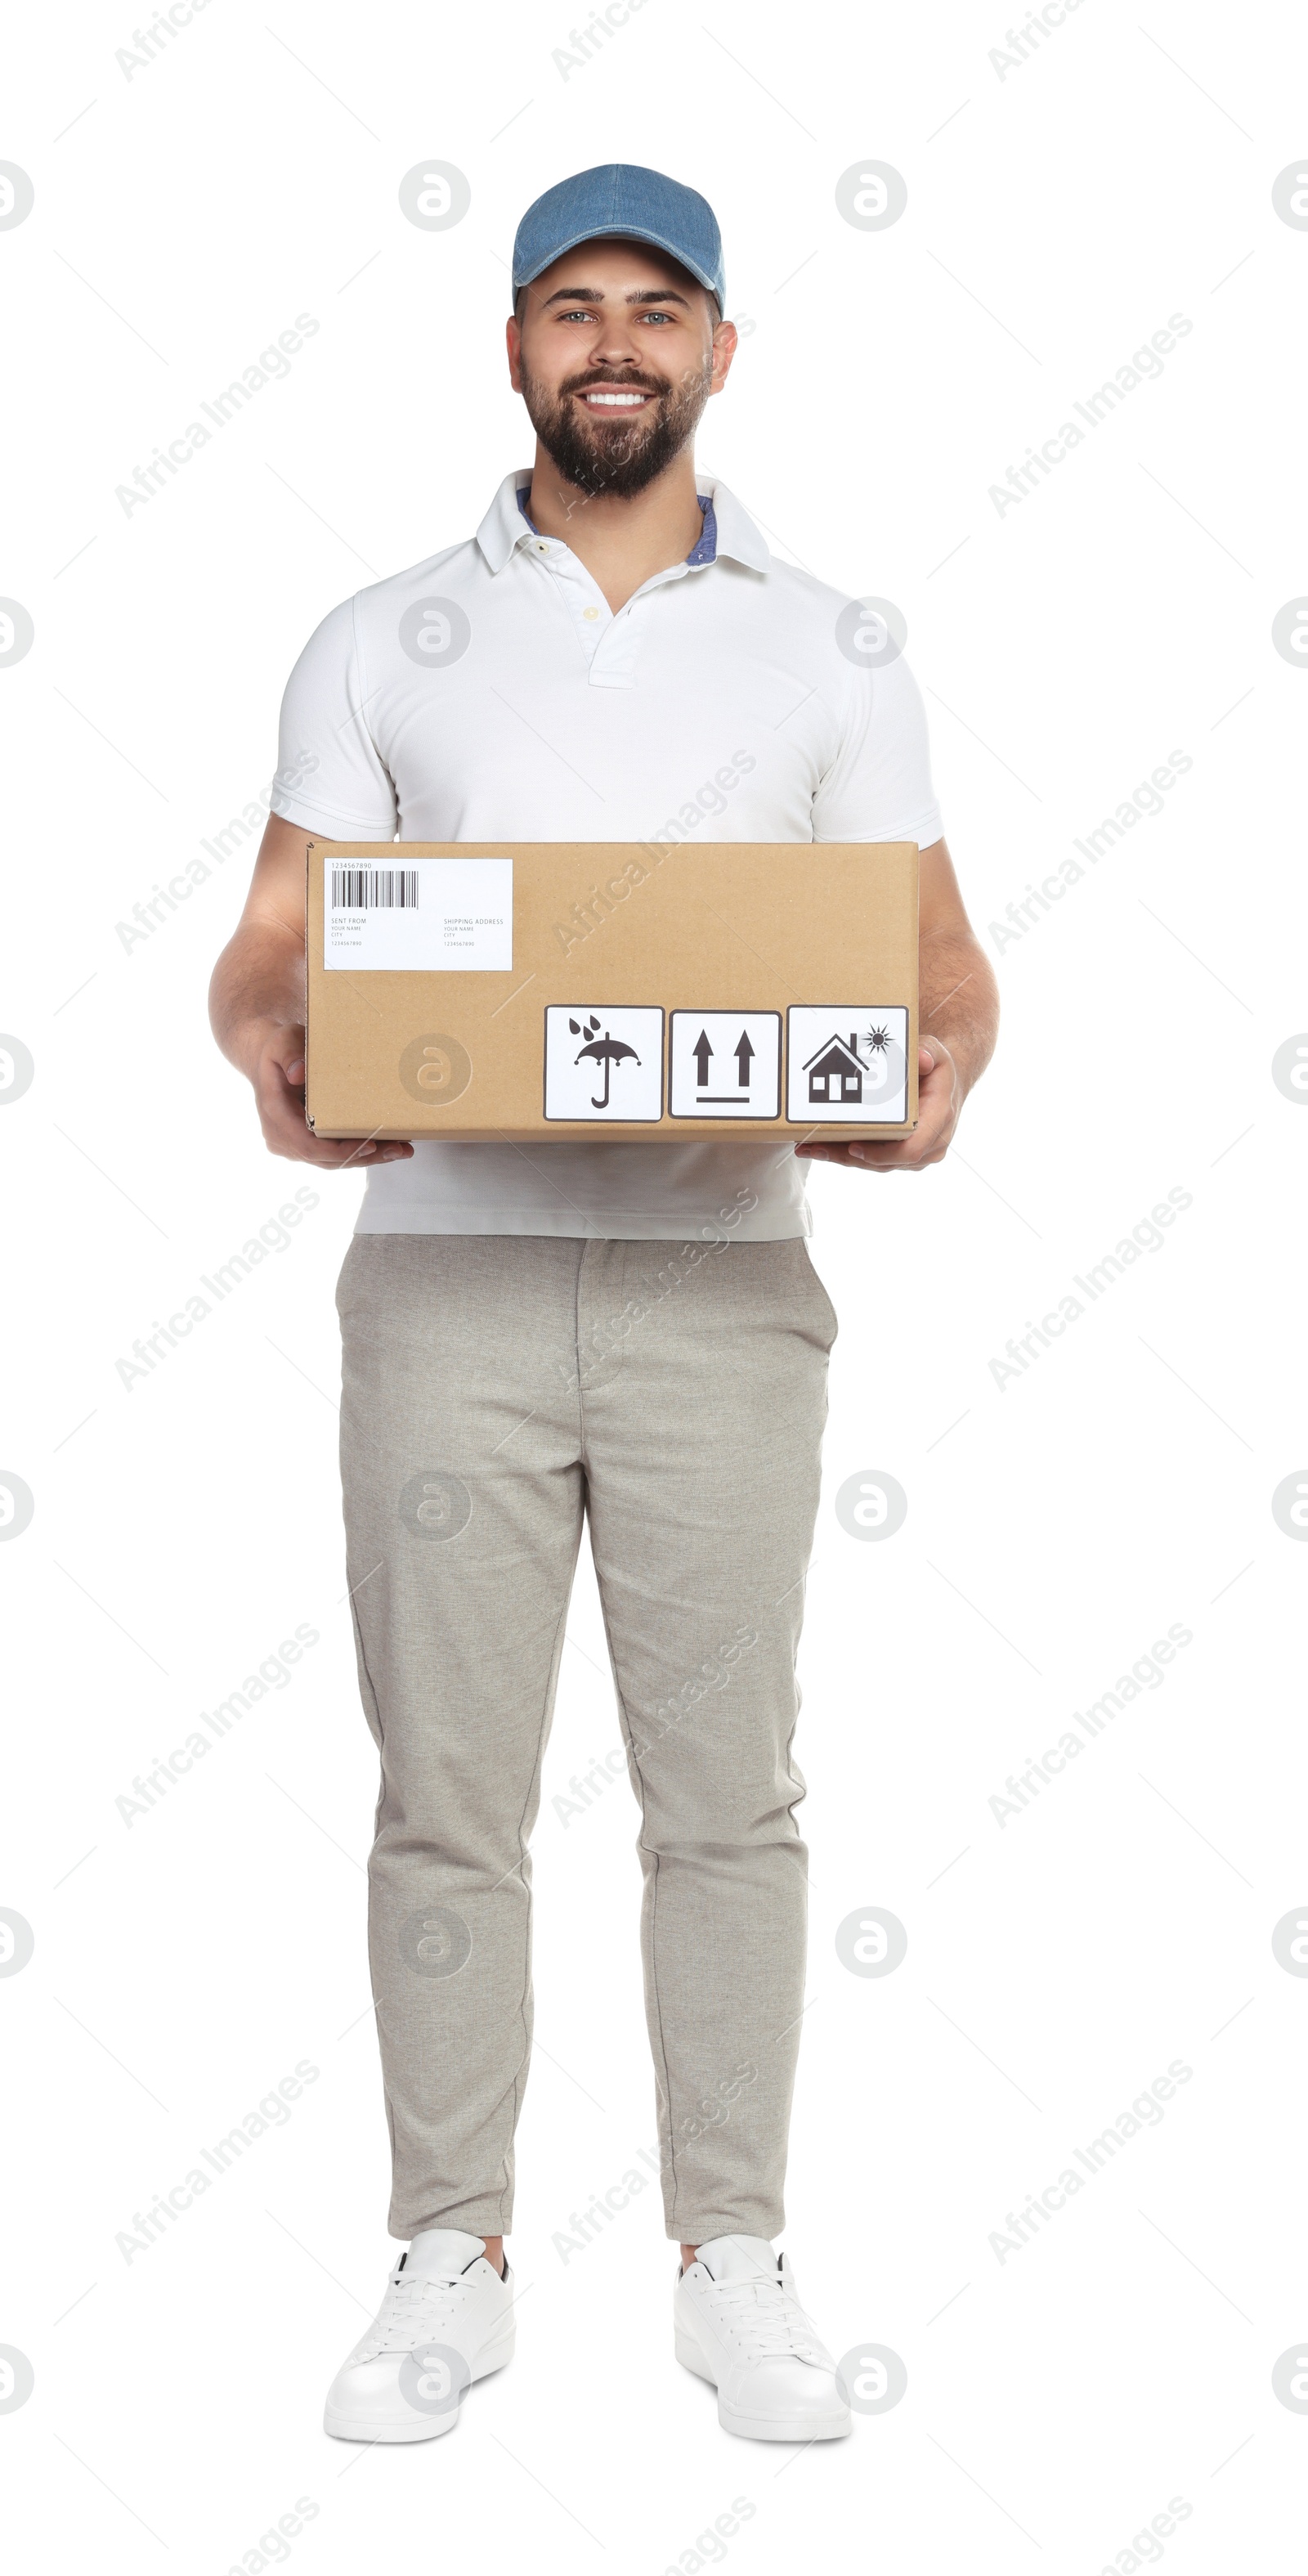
<point>258,985</point>
<point>958,1001</point>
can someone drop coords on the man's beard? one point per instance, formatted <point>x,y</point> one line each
<point>618,458</point>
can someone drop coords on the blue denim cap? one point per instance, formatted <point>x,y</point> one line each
<point>621,199</point>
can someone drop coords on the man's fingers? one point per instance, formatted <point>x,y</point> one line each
<point>334,1153</point>
<point>900,1154</point>
<point>929,1142</point>
<point>286,1133</point>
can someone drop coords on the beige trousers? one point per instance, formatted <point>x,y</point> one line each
<point>496,1389</point>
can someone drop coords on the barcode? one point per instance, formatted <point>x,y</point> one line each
<point>373,889</point>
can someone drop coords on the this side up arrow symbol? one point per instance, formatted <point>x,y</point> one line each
<point>743,1052</point>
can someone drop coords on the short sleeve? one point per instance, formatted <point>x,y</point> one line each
<point>329,770</point>
<point>878,787</point>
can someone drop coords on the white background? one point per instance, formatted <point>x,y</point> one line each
<point>1056,217</point>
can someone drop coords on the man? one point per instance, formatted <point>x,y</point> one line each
<point>533,1337</point>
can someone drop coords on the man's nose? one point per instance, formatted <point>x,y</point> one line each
<point>617,347</point>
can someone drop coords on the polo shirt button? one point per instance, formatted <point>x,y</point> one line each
<point>590,612</point>
<point>541,547</point>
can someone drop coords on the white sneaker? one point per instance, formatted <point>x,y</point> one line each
<point>738,2322</point>
<point>446,2319</point>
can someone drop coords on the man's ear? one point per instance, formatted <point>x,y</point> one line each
<point>726,341</point>
<point>513,343</point>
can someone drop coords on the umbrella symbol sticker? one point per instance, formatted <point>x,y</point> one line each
<point>606,1050</point>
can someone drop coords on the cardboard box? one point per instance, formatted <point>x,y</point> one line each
<point>513,991</point>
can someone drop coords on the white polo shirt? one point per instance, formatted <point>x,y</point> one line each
<point>717,704</point>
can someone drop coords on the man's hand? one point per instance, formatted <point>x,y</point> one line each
<point>278,1078</point>
<point>939,1100</point>
<point>959,1013</point>
<point>256,1005</point>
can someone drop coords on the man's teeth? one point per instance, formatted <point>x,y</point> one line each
<point>617,401</point>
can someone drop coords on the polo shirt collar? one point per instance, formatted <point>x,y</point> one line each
<point>504,528</point>
<point>737,534</point>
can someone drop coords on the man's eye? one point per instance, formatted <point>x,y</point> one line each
<point>656,317</point>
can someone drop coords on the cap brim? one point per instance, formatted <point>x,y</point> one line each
<point>620,232</point>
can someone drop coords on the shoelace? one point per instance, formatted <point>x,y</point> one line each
<point>767,2318</point>
<point>413,2312</point>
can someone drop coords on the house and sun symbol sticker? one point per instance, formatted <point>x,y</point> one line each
<point>847,1063</point>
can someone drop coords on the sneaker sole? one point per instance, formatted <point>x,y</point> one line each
<point>344,2427</point>
<point>760,2428</point>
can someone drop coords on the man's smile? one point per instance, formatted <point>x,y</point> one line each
<point>624,398</point>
